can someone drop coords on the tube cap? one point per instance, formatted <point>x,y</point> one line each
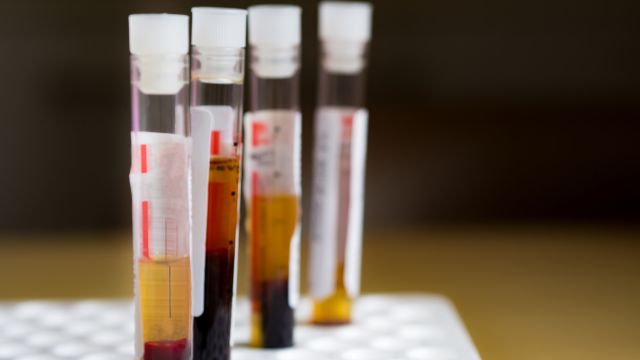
<point>158,34</point>
<point>345,21</point>
<point>274,25</point>
<point>218,27</point>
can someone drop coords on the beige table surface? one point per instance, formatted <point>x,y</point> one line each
<point>524,292</point>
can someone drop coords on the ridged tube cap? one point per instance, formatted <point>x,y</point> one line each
<point>218,27</point>
<point>345,21</point>
<point>274,25</point>
<point>158,34</point>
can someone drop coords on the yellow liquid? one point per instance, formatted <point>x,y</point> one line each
<point>271,224</point>
<point>165,298</point>
<point>272,221</point>
<point>336,308</point>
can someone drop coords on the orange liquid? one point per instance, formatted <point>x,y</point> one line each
<point>222,214</point>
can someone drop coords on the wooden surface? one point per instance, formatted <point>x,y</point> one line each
<point>524,293</point>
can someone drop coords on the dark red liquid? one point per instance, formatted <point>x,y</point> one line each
<point>277,314</point>
<point>166,350</point>
<point>211,330</point>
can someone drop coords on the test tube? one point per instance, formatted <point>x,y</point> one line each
<point>339,161</point>
<point>217,75</point>
<point>159,45</point>
<point>272,173</point>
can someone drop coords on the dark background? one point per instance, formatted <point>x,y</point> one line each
<point>481,111</point>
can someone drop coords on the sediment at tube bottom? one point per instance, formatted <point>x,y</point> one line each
<point>211,330</point>
<point>276,314</point>
<point>166,350</point>
<point>165,307</point>
<point>336,308</point>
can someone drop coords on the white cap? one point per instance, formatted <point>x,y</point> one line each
<point>218,27</point>
<point>158,34</point>
<point>345,21</point>
<point>274,25</point>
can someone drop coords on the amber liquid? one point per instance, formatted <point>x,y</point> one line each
<point>336,308</point>
<point>212,329</point>
<point>165,307</point>
<point>271,225</point>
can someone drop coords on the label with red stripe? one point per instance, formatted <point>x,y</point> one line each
<point>273,152</point>
<point>159,186</point>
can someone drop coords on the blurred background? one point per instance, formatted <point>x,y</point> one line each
<point>503,164</point>
<point>480,112</point>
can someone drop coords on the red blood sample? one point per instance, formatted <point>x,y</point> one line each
<point>166,350</point>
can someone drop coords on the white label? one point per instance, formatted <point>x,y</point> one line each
<point>337,199</point>
<point>272,166</point>
<point>201,123</point>
<point>356,209</point>
<point>272,152</point>
<point>160,191</point>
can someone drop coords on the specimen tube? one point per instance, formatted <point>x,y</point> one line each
<point>217,74</point>
<point>339,161</point>
<point>272,173</point>
<point>159,178</point>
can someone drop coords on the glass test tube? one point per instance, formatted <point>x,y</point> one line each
<point>339,159</point>
<point>272,173</point>
<point>217,75</point>
<point>159,44</point>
